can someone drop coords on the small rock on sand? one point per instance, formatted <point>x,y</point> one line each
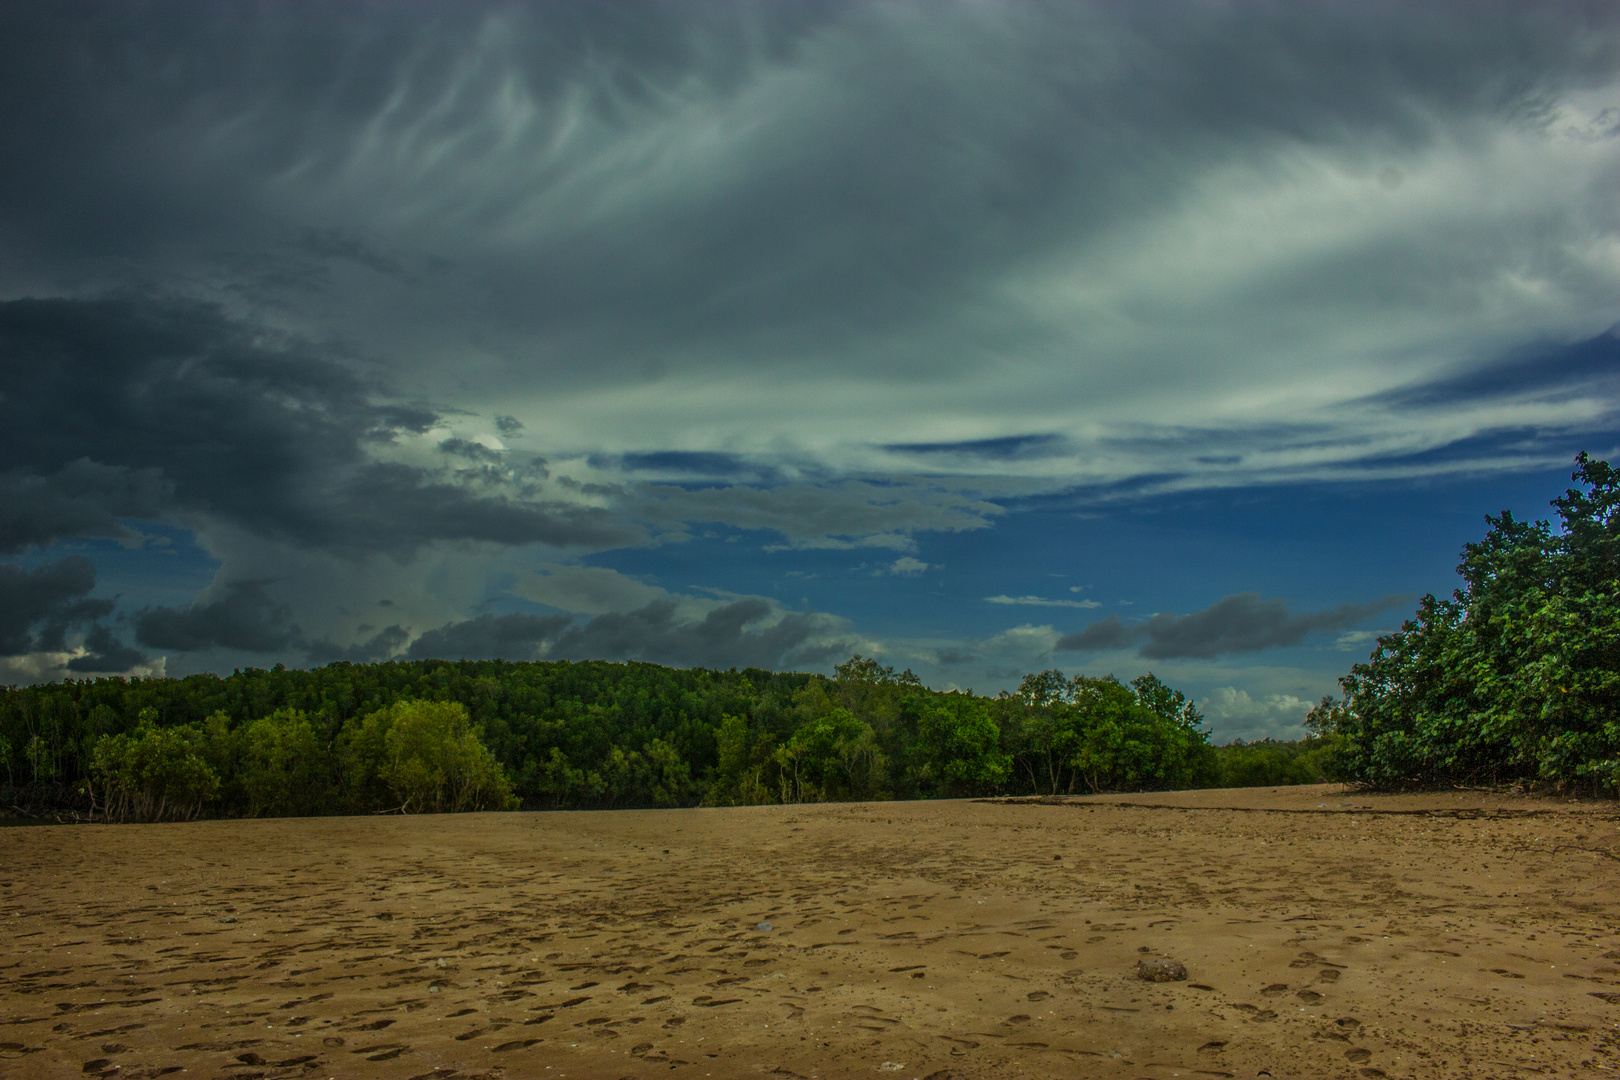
<point>1161,970</point>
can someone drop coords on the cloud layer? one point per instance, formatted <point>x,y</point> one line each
<point>647,233</point>
<point>565,330</point>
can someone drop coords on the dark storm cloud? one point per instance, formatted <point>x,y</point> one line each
<point>245,617</point>
<point>732,635</point>
<point>382,645</point>
<point>729,636</point>
<point>53,598</point>
<point>472,451</point>
<point>106,655</point>
<point>489,637</point>
<point>1100,250</point>
<point>82,498</point>
<point>127,406</point>
<point>392,508</point>
<point>1239,623</point>
<point>927,163</point>
<point>933,169</point>
<point>165,120</point>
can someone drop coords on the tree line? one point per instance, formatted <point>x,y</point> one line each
<point>1515,679</point>
<point>431,735</point>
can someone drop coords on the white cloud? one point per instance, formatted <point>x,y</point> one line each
<point>1040,601</point>
<point>1358,640</point>
<point>37,667</point>
<point>595,590</point>
<point>1028,643</point>
<point>1240,715</point>
<point>906,566</point>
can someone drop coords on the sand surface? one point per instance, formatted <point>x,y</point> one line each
<point>1326,934</point>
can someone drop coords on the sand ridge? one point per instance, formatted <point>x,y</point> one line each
<point>1327,933</point>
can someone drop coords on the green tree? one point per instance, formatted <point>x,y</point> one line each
<point>153,774</point>
<point>41,757</point>
<point>430,758</point>
<point>1517,676</point>
<point>1045,729</point>
<point>831,756</point>
<point>744,757</point>
<point>961,746</point>
<point>1168,704</point>
<point>1125,746</point>
<point>284,766</point>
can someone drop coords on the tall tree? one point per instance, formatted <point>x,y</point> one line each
<point>1517,675</point>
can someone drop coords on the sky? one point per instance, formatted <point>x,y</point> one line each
<point>980,337</point>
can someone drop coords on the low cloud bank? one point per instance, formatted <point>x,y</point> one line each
<point>1239,623</point>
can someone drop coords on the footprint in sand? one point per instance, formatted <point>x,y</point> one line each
<point>1327,975</point>
<point>1356,1055</point>
<point>1274,989</point>
<point>385,1052</point>
<point>517,1044</point>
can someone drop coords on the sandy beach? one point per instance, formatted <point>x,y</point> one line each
<point>1325,933</point>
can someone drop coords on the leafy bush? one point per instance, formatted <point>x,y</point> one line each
<point>1270,763</point>
<point>1516,677</point>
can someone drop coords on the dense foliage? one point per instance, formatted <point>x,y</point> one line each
<point>439,735</point>
<point>1516,677</point>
